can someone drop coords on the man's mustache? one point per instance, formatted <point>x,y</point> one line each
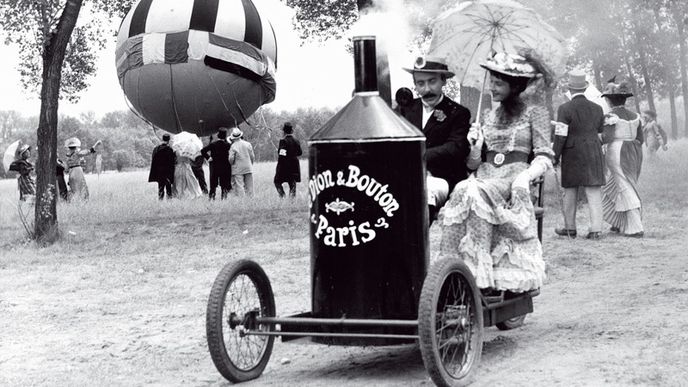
<point>430,95</point>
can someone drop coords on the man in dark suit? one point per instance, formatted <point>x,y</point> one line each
<point>162,167</point>
<point>445,124</point>
<point>217,154</point>
<point>577,142</point>
<point>288,169</point>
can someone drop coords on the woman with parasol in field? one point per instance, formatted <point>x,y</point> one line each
<point>489,220</point>
<point>21,165</point>
<point>187,146</point>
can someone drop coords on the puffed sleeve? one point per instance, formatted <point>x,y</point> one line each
<point>541,132</point>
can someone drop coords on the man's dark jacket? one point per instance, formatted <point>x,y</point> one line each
<point>445,132</point>
<point>288,154</point>
<point>219,151</point>
<point>162,164</point>
<point>582,161</point>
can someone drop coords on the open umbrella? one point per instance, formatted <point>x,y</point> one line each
<point>10,155</point>
<point>186,144</point>
<point>470,33</point>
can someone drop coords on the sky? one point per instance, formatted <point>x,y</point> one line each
<point>309,75</point>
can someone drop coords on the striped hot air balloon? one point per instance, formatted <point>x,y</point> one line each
<point>196,65</point>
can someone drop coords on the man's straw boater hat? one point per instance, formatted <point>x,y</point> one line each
<point>577,80</point>
<point>613,89</point>
<point>431,66</point>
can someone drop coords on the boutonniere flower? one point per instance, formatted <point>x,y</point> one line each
<point>439,115</point>
<point>611,119</point>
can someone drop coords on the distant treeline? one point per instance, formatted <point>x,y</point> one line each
<point>128,141</point>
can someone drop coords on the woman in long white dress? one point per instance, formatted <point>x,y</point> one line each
<point>78,189</point>
<point>623,135</point>
<point>185,183</point>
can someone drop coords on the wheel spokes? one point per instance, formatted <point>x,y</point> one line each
<point>242,297</point>
<point>455,324</point>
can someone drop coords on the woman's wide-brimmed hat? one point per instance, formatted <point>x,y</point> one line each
<point>430,65</point>
<point>510,64</point>
<point>621,89</point>
<point>236,133</point>
<point>72,142</point>
<point>577,80</point>
<point>23,148</point>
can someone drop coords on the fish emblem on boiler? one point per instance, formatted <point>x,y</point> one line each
<point>339,206</point>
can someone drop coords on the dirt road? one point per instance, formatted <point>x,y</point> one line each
<point>125,306</point>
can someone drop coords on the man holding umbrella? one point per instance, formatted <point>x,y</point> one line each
<point>445,124</point>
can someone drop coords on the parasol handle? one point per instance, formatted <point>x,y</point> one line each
<point>480,100</point>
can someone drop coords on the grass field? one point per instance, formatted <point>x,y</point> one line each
<point>120,299</point>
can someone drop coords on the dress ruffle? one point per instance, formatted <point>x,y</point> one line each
<point>495,237</point>
<point>621,204</point>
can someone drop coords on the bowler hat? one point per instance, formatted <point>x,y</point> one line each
<point>431,66</point>
<point>577,80</point>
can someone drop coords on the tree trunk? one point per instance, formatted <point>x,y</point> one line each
<point>629,69</point>
<point>634,85</point>
<point>669,76</point>
<point>54,48</point>
<point>674,119</point>
<point>597,74</point>
<point>646,77</point>
<point>680,27</point>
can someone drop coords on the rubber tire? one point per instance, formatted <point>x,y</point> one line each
<point>511,323</point>
<point>214,321</point>
<point>428,304</point>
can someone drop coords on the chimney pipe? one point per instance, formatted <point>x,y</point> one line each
<point>365,64</point>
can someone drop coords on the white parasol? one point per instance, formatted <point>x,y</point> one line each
<point>468,34</point>
<point>10,155</point>
<point>186,144</point>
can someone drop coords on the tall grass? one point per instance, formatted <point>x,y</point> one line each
<point>122,198</point>
<point>118,199</point>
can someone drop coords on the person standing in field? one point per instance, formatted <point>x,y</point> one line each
<point>185,184</point>
<point>624,158</point>
<point>59,176</point>
<point>75,159</point>
<point>27,187</point>
<point>655,136</point>
<point>197,169</point>
<point>288,169</point>
<point>162,168</point>
<point>577,142</point>
<point>217,154</point>
<point>241,158</point>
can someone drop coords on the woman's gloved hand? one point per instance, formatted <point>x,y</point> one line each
<point>537,168</point>
<point>475,139</point>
